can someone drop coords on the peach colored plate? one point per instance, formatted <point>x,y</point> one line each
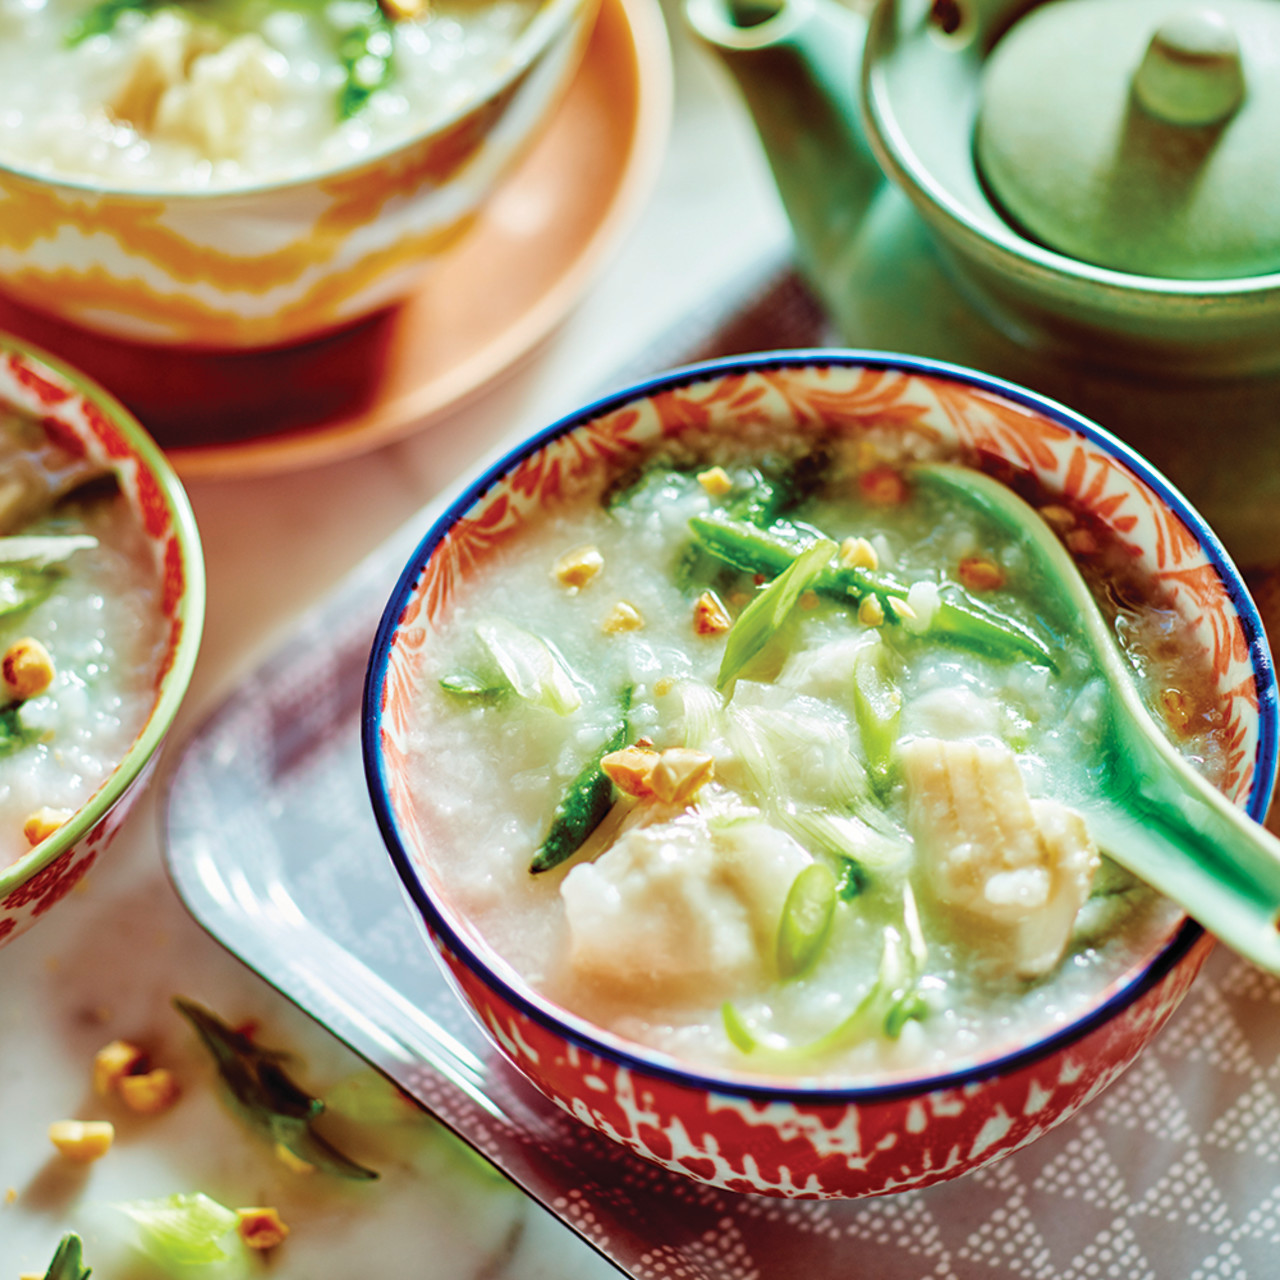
<point>487,303</point>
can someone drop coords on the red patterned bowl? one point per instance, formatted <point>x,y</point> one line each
<point>81,420</point>
<point>766,1134</point>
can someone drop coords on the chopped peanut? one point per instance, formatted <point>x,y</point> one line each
<point>808,600</point>
<point>1081,542</point>
<point>631,770</point>
<point>883,486</point>
<point>577,567</point>
<point>149,1093</point>
<point>664,686</point>
<point>27,668</point>
<point>858,553</point>
<point>1060,518</point>
<point>41,824</point>
<point>710,617</point>
<point>979,573</point>
<point>113,1062</point>
<point>1177,707</point>
<point>622,617</point>
<point>871,612</point>
<point>11,1195</point>
<point>260,1228</point>
<point>679,773</point>
<point>399,10</point>
<point>901,609</point>
<point>291,1162</point>
<point>82,1140</point>
<point>715,481</point>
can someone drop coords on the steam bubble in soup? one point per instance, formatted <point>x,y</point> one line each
<point>769,762</point>
<point>81,636</point>
<point>196,94</point>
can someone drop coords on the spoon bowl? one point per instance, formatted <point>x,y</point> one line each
<point>1152,812</point>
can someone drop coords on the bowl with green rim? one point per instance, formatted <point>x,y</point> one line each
<point>102,593</point>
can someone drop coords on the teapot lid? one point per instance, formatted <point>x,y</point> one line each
<point>1140,135</point>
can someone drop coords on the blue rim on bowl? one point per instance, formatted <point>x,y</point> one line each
<point>630,1055</point>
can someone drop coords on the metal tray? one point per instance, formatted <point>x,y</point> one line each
<point>1171,1175</point>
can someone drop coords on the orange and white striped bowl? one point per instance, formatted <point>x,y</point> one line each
<point>282,262</point>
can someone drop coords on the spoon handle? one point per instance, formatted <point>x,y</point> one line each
<point>1168,826</point>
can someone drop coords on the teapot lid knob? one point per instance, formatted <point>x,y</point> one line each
<point>1191,73</point>
<point>1139,135</point>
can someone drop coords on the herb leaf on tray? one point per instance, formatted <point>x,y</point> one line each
<point>68,1262</point>
<point>265,1096</point>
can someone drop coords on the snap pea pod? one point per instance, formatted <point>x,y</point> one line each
<point>770,551</point>
<point>585,804</point>
<point>68,1260</point>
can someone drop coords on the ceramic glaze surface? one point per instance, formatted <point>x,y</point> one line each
<point>835,1143</point>
<point>273,264</point>
<point>83,423</point>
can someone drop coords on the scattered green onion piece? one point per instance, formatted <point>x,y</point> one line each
<point>265,1096</point>
<point>14,735</point>
<point>877,707</point>
<point>181,1230</point>
<point>42,550</point>
<point>466,684</point>
<point>845,836</point>
<point>102,18</point>
<point>738,1032</point>
<point>364,50</point>
<point>762,618</point>
<point>534,669</point>
<point>852,882</point>
<point>806,919</point>
<point>68,1260</point>
<point>588,800</point>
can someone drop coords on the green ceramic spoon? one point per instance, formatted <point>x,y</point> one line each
<point>1151,811</point>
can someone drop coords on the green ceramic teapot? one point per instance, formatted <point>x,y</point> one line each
<point>1080,195</point>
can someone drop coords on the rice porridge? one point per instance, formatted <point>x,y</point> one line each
<point>81,637</point>
<point>767,760</point>
<point>216,94</point>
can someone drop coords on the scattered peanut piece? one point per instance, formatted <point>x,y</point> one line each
<point>291,1162</point>
<point>261,1228</point>
<point>808,600</point>
<point>82,1140</point>
<point>11,1195</point>
<point>149,1093</point>
<point>1177,708</point>
<point>710,617</point>
<point>883,486</point>
<point>1082,542</point>
<point>664,686</point>
<point>980,573</point>
<point>41,824</point>
<point>902,610</point>
<point>871,612</point>
<point>679,774</point>
<point>631,769</point>
<point>715,481</point>
<point>622,617</point>
<point>576,568</point>
<point>113,1062</point>
<point>400,10</point>
<point>1060,518</point>
<point>858,553</point>
<point>27,669</point>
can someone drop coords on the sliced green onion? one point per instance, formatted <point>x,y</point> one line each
<point>760,621</point>
<point>806,919</point>
<point>535,670</point>
<point>877,707</point>
<point>42,550</point>
<point>466,684</point>
<point>181,1230</point>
